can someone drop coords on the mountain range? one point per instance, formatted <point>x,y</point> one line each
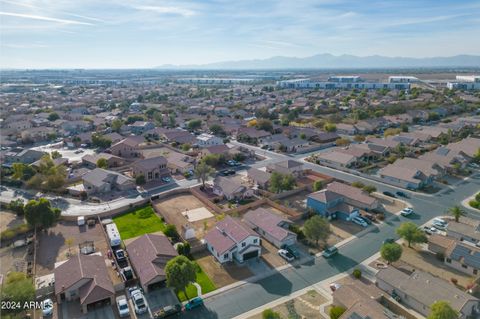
<point>329,61</point>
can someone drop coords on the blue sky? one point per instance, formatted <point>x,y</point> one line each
<point>148,33</point>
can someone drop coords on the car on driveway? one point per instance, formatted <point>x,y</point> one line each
<point>122,306</point>
<point>429,230</point>
<point>359,221</point>
<point>138,300</point>
<point>292,250</point>
<point>365,219</point>
<point>406,211</point>
<point>194,303</point>
<point>227,172</point>
<point>167,311</point>
<point>166,179</point>
<point>439,224</point>
<point>286,255</point>
<point>120,254</point>
<point>389,194</point>
<point>329,252</point>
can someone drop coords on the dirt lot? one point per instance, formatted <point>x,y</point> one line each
<point>53,248</point>
<point>221,275</point>
<point>174,206</point>
<point>419,258</point>
<point>297,201</point>
<point>304,306</point>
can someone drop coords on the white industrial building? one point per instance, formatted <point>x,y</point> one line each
<point>465,82</point>
<point>215,81</point>
<point>402,79</point>
<point>342,82</point>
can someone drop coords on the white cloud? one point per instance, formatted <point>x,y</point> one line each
<point>43,18</point>
<point>167,10</point>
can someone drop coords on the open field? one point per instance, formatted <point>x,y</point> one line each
<point>139,222</point>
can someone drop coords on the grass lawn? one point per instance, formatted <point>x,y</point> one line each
<point>203,280</point>
<point>139,222</point>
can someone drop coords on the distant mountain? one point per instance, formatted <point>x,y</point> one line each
<point>329,61</point>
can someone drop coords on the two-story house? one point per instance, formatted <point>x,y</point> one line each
<point>231,240</point>
<point>153,168</point>
<point>128,147</point>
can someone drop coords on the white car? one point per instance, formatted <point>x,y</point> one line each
<point>122,306</point>
<point>439,223</point>
<point>406,211</point>
<point>359,221</point>
<point>47,307</point>
<point>139,301</point>
<point>286,255</point>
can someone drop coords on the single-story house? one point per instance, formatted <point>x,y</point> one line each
<point>336,159</point>
<point>261,178</point>
<point>149,255</point>
<point>465,231</point>
<point>84,277</point>
<point>287,167</point>
<point>419,290</point>
<point>270,226</point>
<point>90,160</point>
<point>231,240</point>
<point>101,180</point>
<point>405,177</point>
<point>230,188</point>
<point>339,200</point>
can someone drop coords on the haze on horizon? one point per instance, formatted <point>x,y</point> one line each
<point>143,33</point>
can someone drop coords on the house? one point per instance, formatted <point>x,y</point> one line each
<point>148,256</point>
<point>153,168</point>
<point>336,159</point>
<point>251,134</point>
<point>231,240</point>
<point>340,200</point>
<point>90,160</point>
<point>215,149</point>
<point>27,156</point>
<point>270,226</point>
<point>179,163</point>
<point>37,134</point>
<point>101,181</point>
<point>348,129</point>
<point>128,147</point>
<point>287,167</point>
<point>178,136</point>
<point>140,127</point>
<point>464,231</point>
<point>114,137</point>
<point>84,278</point>
<point>419,290</point>
<point>456,254</point>
<point>405,177</point>
<point>230,188</point>
<point>206,140</point>
<point>260,178</point>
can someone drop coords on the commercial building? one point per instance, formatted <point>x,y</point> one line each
<point>342,82</point>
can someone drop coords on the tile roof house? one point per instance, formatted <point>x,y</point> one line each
<point>468,231</point>
<point>101,180</point>
<point>178,136</point>
<point>410,174</point>
<point>230,188</point>
<point>90,160</point>
<point>261,178</point>
<point>84,277</point>
<point>149,255</point>
<point>270,226</point>
<point>420,290</point>
<point>336,159</point>
<point>128,147</point>
<point>153,168</point>
<point>286,167</point>
<point>231,240</point>
<point>340,200</point>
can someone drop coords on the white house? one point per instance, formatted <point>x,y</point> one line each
<point>205,140</point>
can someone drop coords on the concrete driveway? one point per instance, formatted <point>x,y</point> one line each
<point>71,310</point>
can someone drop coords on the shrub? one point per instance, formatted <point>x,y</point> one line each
<point>297,230</point>
<point>357,273</point>
<point>336,312</point>
<point>454,280</point>
<point>11,233</point>
<point>171,231</point>
<point>270,314</point>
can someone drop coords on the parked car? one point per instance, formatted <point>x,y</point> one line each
<point>329,252</point>
<point>232,163</point>
<point>127,273</point>
<point>167,311</point>
<point>439,225</point>
<point>406,212</point>
<point>359,221</point>
<point>47,307</point>
<point>194,303</point>
<point>122,306</point>
<point>390,194</point>
<point>227,172</point>
<point>286,255</point>
<point>365,219</point>
<point>402,194</point>
<point>389,241</point>
<point>292,250</point>
<point>429,230</point>
<point>166,179</point>
<point>474,165</point>
<point>139,301</point>
<point>120,254</point>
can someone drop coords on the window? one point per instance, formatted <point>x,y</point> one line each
<point>255,241</point>
<point>448,260</point>
<point>225,256</point>
<point>244,244</point>
<point>464,266</point>
<point>475,271</point>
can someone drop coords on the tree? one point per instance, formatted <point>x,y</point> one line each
<point>391,252</point>
<point>357,273</point>
<point>17,206</point>
<point>53,117</point>
<point>369,188</point>
<point>116,125</point>
<point>18,288</point>
<point>217,130</point>
<point>342,141</point>
<point>203,171</point>
<point>336,312</point>
<point>186,147</point>
<point>317,228</point>
<point>288,182</point>
<point>442,310</point>
<point>456,212</point>
<point>358,184</point>
<point>330,127</point>
<point>69,242</point>
<point>55,155</point>
<point>22,171</point>
<point>194,124</point>
<point>411,233</point>
<point>171,231</point>
<point>317,185</point>
<point>180,272</point>
<point>359,138</point>
<point>391,132</point>
<point>270,314</point>
<point>102,163</point>
<point>264,124</point>
<point>100,141</point>
<point>140,179</point>
<point>40,213</point>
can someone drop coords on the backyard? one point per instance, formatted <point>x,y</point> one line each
<point>203,280</point>
<point>139,222</point>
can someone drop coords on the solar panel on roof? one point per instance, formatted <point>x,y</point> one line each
<point>473,260</point>
<point>442,151</point>
<point>459,252</point>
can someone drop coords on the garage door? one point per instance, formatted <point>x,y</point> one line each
<point>250,255</point>
<point>99,304</point>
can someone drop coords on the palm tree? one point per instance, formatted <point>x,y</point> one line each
<point>456,212</point>
<point>203,171</point>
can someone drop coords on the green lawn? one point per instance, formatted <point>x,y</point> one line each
<point>139,222</point>
<point>203,280</point>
